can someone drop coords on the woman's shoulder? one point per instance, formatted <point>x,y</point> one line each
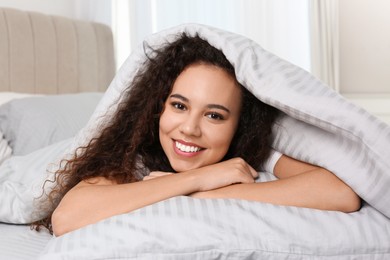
<point>96,181</point>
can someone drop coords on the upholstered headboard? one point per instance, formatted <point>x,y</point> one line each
<point>51,54</point>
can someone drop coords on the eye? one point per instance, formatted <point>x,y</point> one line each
<point>215,116</point>
<point>178,106</point>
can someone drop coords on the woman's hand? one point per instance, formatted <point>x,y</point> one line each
<point>235,170</point>
<point>99,198</point>
<point>299,184</point>
<point>217,175</point>
<point>223,174</point>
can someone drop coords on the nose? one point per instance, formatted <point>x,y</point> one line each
<point>191,126</point>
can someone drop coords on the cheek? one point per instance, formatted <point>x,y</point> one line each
<point>221,138</point>
<point>161,123</point>
<point>165,122</point>
<point>163,131</point>
<point>168,122</point>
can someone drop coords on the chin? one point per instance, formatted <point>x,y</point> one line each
<point>183,168</point>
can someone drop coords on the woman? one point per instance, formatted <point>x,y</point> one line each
<point>185,113</point>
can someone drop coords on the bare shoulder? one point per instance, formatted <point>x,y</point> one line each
<point>95,181</point>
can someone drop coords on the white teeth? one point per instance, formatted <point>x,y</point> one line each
<point>187,148</point>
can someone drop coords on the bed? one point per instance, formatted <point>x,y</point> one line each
<point>53,72</point>
<point>189,228</point>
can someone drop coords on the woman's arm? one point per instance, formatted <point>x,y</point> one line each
<point>99,198</point>
<point>299,184</point>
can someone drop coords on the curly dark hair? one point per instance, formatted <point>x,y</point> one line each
<point>129,143</point>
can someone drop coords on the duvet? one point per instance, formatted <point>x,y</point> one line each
<point>349,141</point>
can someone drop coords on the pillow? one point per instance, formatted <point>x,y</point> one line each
<point>5,149</point>
<point>32,123</point>
<point>189,228</point>
<point>8,96</point>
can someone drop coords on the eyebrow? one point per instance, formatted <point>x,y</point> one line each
<point>211,106</point>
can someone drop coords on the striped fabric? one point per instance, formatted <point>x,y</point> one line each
<point>319,126</point>
<point>19,242</point>
<point>188,228</point>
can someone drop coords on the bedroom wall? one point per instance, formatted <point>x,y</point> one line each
<point>90,10</point>
<point>364,43</point>
<point>365,46</point>
<point>365,54</point>
<point>57,7</point>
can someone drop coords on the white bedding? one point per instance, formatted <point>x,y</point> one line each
<point>188,228</point>
<point>318,126</point>
<point>21,177</point>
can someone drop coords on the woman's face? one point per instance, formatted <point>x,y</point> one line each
<point>200,117</point>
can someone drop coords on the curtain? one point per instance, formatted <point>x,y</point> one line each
<point>280,26</point>
<point>325,41</point>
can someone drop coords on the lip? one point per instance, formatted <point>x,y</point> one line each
<point>186,154</point>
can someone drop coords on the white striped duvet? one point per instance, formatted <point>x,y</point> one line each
<point>318,126</point>
<point>187,228</point>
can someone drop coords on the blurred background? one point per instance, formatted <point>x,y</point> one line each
<point>344,43</point>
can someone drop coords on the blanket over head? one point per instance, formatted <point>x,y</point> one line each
<point>317,126</point>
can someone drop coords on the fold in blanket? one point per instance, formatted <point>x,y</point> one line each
<point>318,125</point>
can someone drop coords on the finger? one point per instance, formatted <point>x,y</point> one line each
<point>156,174</point>
<point>147,178</point>
<point>159,174</point>
<point>248,169</point>
<point>254,173</point>
<point>151,176</point>
<point>244,176</point>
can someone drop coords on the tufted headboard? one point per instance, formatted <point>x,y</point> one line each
<point>51,54</point>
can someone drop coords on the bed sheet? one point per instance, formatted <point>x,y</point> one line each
<point>19,242</point>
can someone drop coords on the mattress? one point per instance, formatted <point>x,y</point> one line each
<point>19,242</point>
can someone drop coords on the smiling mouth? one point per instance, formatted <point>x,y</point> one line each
<point>187,148</point>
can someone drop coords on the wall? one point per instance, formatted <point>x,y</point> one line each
<point>89,10</point>
<point>364,43</point>
<point>56,7</point>
<point>280,26</point>
<point>365,46</point>
<point>364,27</point>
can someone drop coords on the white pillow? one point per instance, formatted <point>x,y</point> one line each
<point>5,97</point>
<point>32,123</point>
<point>8,96</point>
<point>188,228</point>
<point>5,150</point>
